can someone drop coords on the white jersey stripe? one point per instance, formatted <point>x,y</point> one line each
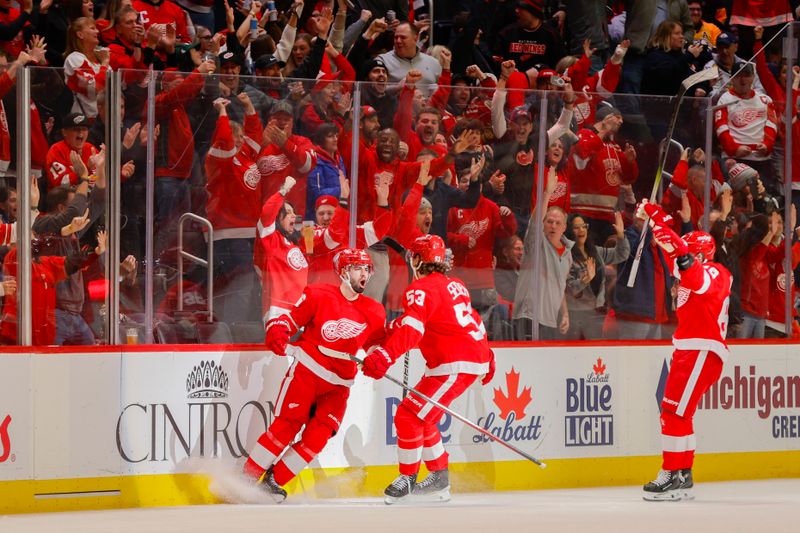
<point>436,396</point>
<point>687,443</point>
<point>431,453</point>
<point>692,382</point>
<point>282,393</point>
<point>293,461</point>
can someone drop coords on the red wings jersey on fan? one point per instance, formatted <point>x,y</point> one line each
<point>439,318</point>
<point>335,328</point>
<point>702,308</point>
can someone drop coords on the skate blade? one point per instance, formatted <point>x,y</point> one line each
<point>438,496</point>
<point>391,500</point>
<point>669,496</point>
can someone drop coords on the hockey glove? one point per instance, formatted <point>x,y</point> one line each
<point>277,335</point>
<point>669,241</point>
<point>653,211</point>
<point>376,363</point>
<point>487,378</point>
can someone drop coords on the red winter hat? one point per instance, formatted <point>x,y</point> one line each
<point>534,7</point>
<point>368,111</point>
<point>325,80</point>
<point>326,199</point>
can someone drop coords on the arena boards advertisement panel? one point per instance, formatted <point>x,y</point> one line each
<point>130,415</point>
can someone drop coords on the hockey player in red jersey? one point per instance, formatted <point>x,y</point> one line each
<point>451,336</point>
<point>700,348</point>
<point>336,322</point>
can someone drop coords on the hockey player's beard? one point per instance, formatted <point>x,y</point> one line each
<point>358,285</point>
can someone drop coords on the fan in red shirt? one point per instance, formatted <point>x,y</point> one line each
<point>164,12</point>
<point>59,163</point>
<point>337,321</point>
<point>279,261</point>
<point>285,154</point>
<point>333,229</point>
<point>452,338</point>
<point>700,348</point>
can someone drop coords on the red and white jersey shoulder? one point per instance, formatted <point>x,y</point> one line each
<point>439,318</point>
<point>761,12</point>
<point>335,329</point>
<point>702,308</point>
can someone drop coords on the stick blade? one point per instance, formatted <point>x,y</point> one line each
<point>699,77</point>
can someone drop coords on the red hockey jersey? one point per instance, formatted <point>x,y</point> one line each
<point>439,318</point>
<point>296,159</point>
<point>335,328</point>
<point>164,12</point>
<point>59,166</point>
<point>234,182</point>
<point>778,283</point>
<point>329,240</point>
<point>761,12</point>
<point>702,308</point>
<point>595,171</point>
<point>482,226</point>
<point>279,262</point>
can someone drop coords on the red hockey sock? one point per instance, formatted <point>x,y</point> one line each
<point>677,441</point>
<point>409,440</point>
<point>269,446</point>
<point>314,439</point>
<point>433,451</point>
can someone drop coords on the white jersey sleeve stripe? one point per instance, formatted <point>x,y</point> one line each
<point>414,323</point>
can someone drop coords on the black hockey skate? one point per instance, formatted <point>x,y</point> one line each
<point>670,485</point>
<point>434,488</point>
<point>400,489</point>
<point>268,484</point>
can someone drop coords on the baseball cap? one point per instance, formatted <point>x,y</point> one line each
<point>535,7</point>
<point>367,111</point>
<point>604,110</point>
<point>326,199</point>
<point>520,112</point>
<point>267,61</point>
<point>325,80</point>
<point>746,69</point>
<point>281,106</point>
<point>726,39</point>
<point>231,57</point>
<point>545,74</point>
<point>75,120</point>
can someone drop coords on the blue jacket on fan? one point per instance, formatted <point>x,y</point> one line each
<point>323,179</point>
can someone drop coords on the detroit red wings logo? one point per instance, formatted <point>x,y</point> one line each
<point>559,192</point>
<point>475,229</point>
<point>745,117</point>
<point>613,169</point>
<point>252,177</point>
<point>270,164</point>
<point>344,328</point>
<point>683,296</point>
<point>296,259</point>
<point>781,281</point>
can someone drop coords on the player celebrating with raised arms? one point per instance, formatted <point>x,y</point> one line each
<point>451,336</point>
<point>337,321</point>
<point>700,348</point>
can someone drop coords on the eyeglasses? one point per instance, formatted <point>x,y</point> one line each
<point>580,226</point>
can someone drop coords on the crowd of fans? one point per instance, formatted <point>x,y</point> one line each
<point>469,127</point>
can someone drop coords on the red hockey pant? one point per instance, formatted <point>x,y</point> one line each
<point>691,374</point>
<point>304,398</point>
<point>416,420</point>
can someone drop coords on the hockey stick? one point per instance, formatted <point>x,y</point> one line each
<point>462,418</point>
<point>694,79</point>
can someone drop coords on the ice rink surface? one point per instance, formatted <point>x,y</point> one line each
<point>768,506</point>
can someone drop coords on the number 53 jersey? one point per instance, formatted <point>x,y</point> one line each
<point>439,318</point>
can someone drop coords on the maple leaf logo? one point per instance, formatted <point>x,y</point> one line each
<point>599,368</point>
<point>513,401</point>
